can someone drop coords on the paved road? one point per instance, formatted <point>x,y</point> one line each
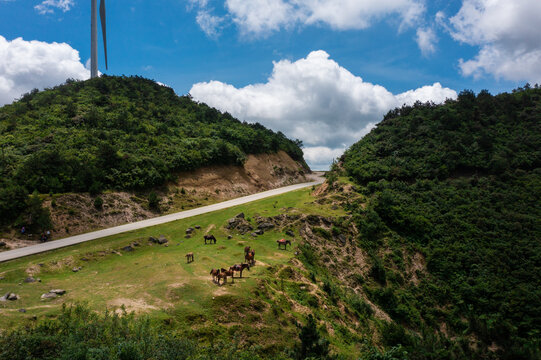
<point>52,245</point>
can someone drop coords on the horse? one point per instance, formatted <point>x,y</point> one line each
<point>224,274</point>
<point>215,273</point>
<point>246,250</point>
<point>240,268</point>
<point>283,242</point>
<point>189,257</point>
<point>210,238</point>
<point>250,257</point>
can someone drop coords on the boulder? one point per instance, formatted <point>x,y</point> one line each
<point>198,227</point>
<point>2,244</point>
<point>22,310</point>
<point>77,269</point>
<point>240,216</point>
<point>152,239</point>
<point>127,248</point>
<point>9,297</point>
<point>58,291</point>
<point>265,226</point>
<point>162,240</point>
<point>29,279</point>
<point>229,237</point>
<point>189,230</point>
<point>48,296</point>
<point>135,244</point>
<point>187,236</point>
<point>239,224</point>
<point>254,234</point>
<point>259,232</point>
<point>342,239</point>
<point>290,233</point>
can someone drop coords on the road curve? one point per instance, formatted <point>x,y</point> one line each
<point>72,240</point>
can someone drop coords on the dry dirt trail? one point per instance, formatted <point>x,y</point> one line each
<point>316,178</point>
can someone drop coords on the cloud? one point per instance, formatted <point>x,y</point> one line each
<point>25,65</point>
<point>426,40</point>
<point>259,18</point>
<point>48,6</point>
<point>507,35</point>
<point>316,100</point>
<point>209,23</point>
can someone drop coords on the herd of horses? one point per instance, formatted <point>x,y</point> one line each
<point>249,261</point>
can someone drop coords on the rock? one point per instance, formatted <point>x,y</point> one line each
<point>2,244</point>
<point>22,310</point>
<point>290,233</point>
<point>259,232</point>
<point>166,245</point>
<point>2,278</point>
<point>10,297</point>
<point>41,265</point>
<point>162,240</point>
<point>187,236</point>
<point>240,216</point>
<point>48,296</point>
<point>189,230</point>
<point>229,237</point>
<point>152,239</point>
<point>58,291</point>
<point>334,207</point>
<point>265,226</point>
<point>342,239</point>
<point>198,227</point>
<point>254,234</point>
<point>29,279</point>
<point>127,248</point>
<point>135,244</point>
<point>38,279</point>
<point>77,269</point>
<point>85,259</point>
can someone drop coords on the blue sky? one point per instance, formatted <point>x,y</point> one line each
<point>175,43</point>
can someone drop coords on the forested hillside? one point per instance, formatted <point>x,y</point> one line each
<point>122,133</point>
<point>460,185</point>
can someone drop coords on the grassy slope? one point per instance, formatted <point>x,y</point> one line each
<point>157,278</point>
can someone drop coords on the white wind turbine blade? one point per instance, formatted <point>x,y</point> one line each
<point>104,30</point>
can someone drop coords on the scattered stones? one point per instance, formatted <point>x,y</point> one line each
<point>127,248</point>
<point>240,224</point>
<point>9,297</point>
<point>22,310</point>
<point>162,240</point>
<point>77,269</point>
<point>265,226</point>
<point>30,279</point>
<point>53,294</point>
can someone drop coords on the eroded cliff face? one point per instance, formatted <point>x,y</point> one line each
<point>73,214</point>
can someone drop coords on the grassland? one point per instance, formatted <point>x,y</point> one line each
<point>156,280</point>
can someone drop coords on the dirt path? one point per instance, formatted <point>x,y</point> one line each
<point>57,244</point>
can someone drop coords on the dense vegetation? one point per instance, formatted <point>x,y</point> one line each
<point>460,184</point>
<point>116,133</point>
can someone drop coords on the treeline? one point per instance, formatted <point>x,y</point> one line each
<point>125,133</point>
<point>460,184</point>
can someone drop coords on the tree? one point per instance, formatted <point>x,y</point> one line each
<point>313,346</point>
<point>38,217</point>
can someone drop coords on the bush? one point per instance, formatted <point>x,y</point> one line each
<point>153,201</point>
<point>98,203</point>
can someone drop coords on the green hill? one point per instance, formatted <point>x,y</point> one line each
<point>459,185</point>
<point>122,133</point>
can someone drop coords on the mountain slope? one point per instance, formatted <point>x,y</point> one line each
<point>116,133</point>
<point>458,187</point>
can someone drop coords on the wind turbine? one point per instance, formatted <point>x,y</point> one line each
<point>94,36</point>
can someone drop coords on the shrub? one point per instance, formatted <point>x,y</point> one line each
<point>153,201</point>
<point>98,203</point>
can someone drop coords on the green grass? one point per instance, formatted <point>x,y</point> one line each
<point>155,279</point>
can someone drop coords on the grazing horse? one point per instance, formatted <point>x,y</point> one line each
<point>250,257</point>
<point>240,268</point>
<point>283,242</point>
<point>189,257</point>
<point>210,238</point>
<point>224,274</point>
<point>215,273</point>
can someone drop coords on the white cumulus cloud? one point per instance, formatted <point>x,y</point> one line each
<point>48,6</point>
<point>209,23</point>
<point>25,65</point>
<point>316,100</point>
<point>507,34</point>
<point>426,40</point>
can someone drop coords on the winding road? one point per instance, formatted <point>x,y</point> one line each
<point>72,240</point>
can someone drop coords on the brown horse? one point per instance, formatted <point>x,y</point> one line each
<point>215,273</point>
<point>246,250</point>
<point>283,242</point>
<point>250,257</point>
<point>210,238</point>
<point>189,257</point>
<point>224,274</point>
<point>240,268</point>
